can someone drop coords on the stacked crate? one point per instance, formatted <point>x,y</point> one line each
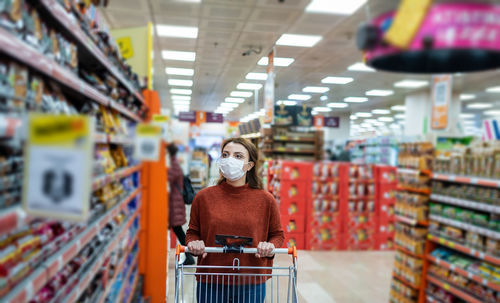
<point>386,185</point>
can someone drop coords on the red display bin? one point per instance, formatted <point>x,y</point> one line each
<point>291,170</point>
<point>295,239</point>
<point>386,174</point>
<point>386,193</point>
<point>293,207</point>
<point>294,190</point>
<point>293,224</point>
<point>315,242</point>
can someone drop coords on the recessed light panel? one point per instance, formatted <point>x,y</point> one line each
<point>360,67</point>
<point>241,94</point>
<point>336,7</point>
<point>298,40</point>
<point>465,97</point>
<point>398,108</point>
<point>249,86</point>
<point>234,100</point>
<point>479,105</point>
<point>299,97</point>
<point>184,98</point>
<point>278,61</point>
<point>177,31</point>
<point>256,76</point>
<point>337,105</point>
<point>379,92</point>
<point>356,99</point>
<point>178,55</point>
<point>381,111</point>
<point>411,83</point>
<point>179,91</point>
<point>337,80</point>
<point>178,82</point>
<point>321,109</point>
<point>179,71</point>
<point>315,89</point>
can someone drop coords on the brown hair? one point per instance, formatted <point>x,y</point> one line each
<point>252,179</point>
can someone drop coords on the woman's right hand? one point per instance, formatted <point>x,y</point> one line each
<point>197,248</point>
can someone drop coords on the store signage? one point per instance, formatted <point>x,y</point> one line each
<point>332,122</point>
<point>187,116</point>
<point>319,121</point>
<point>214,118</point>
<point>148,142</point>
<point>491,130</point>
<point>441,97</point>
<point>163,122</point>
<point>58,167</point>
<point>125,46</point>
<point>269,91</point>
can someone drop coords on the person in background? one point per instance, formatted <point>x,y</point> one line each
<point>345,155</point>
<point>176,207</point>
<point>238,205</point>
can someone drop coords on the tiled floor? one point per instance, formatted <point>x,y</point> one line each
<point>337,277</point>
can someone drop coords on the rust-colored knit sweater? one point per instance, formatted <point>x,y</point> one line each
<point>242,211</point>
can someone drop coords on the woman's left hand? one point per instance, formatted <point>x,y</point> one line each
<point>265,249</point>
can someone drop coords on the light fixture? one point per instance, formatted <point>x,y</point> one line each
<point>379,92</point>
<point>381,111</point>
<point>360,67</point>
<point>241,94</point>
<point>353,117</point>
<point>337,80</point>
<point>400,116</point>
<point>469,122</point>
<point>179,71</point>
<point>398,108</point>
<point>226,104</point>
<point>177,97</point>
<point>256,76</point>
<point>278,61</point>
<point>315,89</point>
<point>249,86</point>
<point>465,97</point>
<point>298,40</point>
<point>395,126</point>
<point>179,82</point>
<point>377,123</point>
<point>287,102</point>
<point>494,89</point>
<point>337,105</point>
<point>479,105</point>
<point>322,109</point>
<point>323,98</point>
<point>411,83</point>
<point>180,91</point>
<point>467,116</point>
<point>366,125</point>
<point>177,31</point>
<point>299,97</point>
<point>493,112</point>
<point>338,7</point>
<point>355,99</point>
<point>363,115</point>
<point>234,100</point>
<point>178,55</point>
<point>386,119</point>
<point>181,102</point>
<point>370,120</point>
<point>314,113</point>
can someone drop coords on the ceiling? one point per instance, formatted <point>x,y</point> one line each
<point>226,28</point>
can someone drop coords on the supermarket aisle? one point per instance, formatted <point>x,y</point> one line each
<point>331,276</point>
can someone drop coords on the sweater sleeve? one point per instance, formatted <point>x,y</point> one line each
<point>275,234</point>
<point>193,232</point>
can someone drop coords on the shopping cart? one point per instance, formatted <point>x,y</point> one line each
<point>228,284</point>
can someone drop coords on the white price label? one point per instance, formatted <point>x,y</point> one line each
<point>473,252</point>
<point>452,267</point>
<point>452,177</point>
<point>481,255</point>
<point>485,282</point>
<point>474,180</point>
<point>469,275</point>
<point>438,261</point>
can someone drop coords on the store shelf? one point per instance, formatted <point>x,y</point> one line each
<point>12,218</point>
<point>118,107</point>
<point>404,281</point>
<point>466,203</point>
<point>465,226</point>
<point>410,221</point>
<point>295,150</point>
<point>132,292</point>
<point>84,283</point>
<point>431,299</point>
<point>103,180</point>
<point>453,290</point>
<point>101,138</point>
<point>125,280</point>
<point>37,279</point>
<point>119,139</point>
<point>9,125</point>
<point>467,180</point>
<point>293,139</point>
<point>464,273</point>
<point>414,171</point>
<point>464,249</point>
<point>73,27</point>
<point>406,251</point>
<point>414,190</point>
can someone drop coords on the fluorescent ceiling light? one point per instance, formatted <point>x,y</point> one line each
<point>355,99</point>
<point>494,89</point>
<point>232,105</point>
<point>278,61</point>
<point>181,108</point>
<point>298,40</point>
<point>337,80</point>
<point>366,125</point>
<point>256,76</point>
<point>180,91</point>
<point>377,123</point>
<point>480,105</point>
<point>398,108</point>
<point>287,102</point>
<point>363,115</point>
<point>177,97</point>
<point>467,116</point>
<point>179,82</point>
<point>321,109</point>
<point>381,111</point>
<point>299,97</point>
<point>249,86</point>
<point>179,71</point>
<point>400,116</point>
<point>241,94</point>
<point>360,67</point>
<point>379,92</point>
<point>411,83</point>
<point>181,102</point>
<point>371,121</point>
<point>492,112</point>
<point>323,98</point>
<point>315,89</point>
<point>234,100</point>
<point>353,117</point>
<point>337,105</point>
<point>338,7</point>
<point>469,122</point>
<point>395,126</point>
<point>178,55</point>
<point>314,113</point>
<point>386,119</point>
<point>465,97</point>
<point>177,31</point>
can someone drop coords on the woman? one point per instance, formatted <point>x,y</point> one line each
<point>176,207</point>
<point>239,206</point>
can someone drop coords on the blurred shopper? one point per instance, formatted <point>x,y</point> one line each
<point>345,155</point>
<point>176,207</point>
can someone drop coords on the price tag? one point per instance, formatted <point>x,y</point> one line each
<point>474,180</point>
<point>438,261</point>
<point>451,244</point>
<point>441,241</point>
<point>485,282</point>
<point>481,255</point>
<point>452,267</point>
<point>446,286</point>
<point>473,252</point>
<point>452,177</point>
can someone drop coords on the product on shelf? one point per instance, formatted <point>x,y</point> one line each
<point>416,155</point>
<point>487,195</point>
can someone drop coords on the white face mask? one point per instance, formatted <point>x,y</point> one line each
<point>231,168</point>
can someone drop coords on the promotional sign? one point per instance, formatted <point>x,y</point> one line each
<point>162,121</point>
<point>269,90</point>
<point>201,118</point>
<point>214,118</point>
<point>187,116</point>
<point>58,167</point>
<point>491,130</point>
<point>148,142</point>
<point>303,116</point>
<point>318,121</point>
<point>284,115</point>
<point>441,97</point>
<point>332,122</point>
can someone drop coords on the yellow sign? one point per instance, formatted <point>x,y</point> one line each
<point>148,130</point>
<point>126,48</point>
<point>161,118</point>
<point>57,129</point>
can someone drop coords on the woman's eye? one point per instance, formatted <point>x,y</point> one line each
<point>224,155</point>
<point>238,156</point>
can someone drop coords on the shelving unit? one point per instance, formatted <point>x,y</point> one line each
<point>283,141</point>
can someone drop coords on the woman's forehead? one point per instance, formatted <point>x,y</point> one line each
<point>235,148</point>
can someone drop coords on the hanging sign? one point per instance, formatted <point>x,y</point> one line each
<point>214,118</point>
<point>148,142</point>
<point>318,121</point>
<point>441,97</point>
<point>187,116</point>
<point>269,91</point>
<point>162,121</point>
<point>201,118</point>
<point>332,122</point>
<point>58,167</point>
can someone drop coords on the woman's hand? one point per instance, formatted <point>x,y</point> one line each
<point>197,248</point>
<point>265,249</point>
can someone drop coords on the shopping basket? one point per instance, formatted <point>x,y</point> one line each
<point>228,284</point>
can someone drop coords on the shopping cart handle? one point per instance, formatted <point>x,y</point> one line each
<point>291,251</point>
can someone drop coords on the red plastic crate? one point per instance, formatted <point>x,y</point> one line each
<point>293,224</point>
<point>294,190</point>
<point>295,239</point>
<point>291,170</point>
<point>313,242</point>
<point>385,174</point>
<point>293,207</point>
